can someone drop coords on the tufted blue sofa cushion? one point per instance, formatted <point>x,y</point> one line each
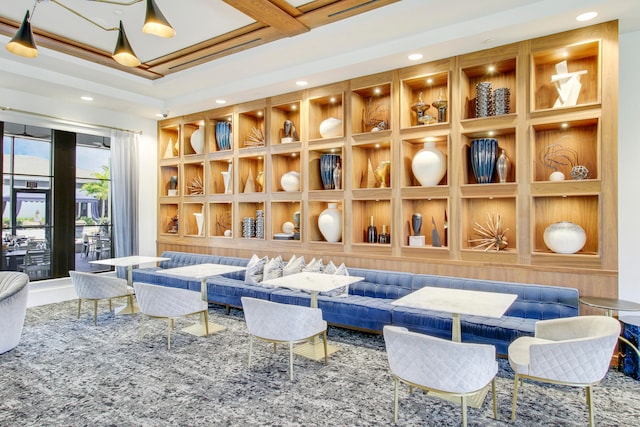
<point>380,283</point>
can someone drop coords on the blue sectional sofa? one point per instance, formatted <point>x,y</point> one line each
<point>368,306</point>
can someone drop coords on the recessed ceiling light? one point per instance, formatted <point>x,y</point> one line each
<point>491,68</point>
<point>259,113</point>
<point>564,125</point>
<point>86,98</point>
<point>429,80</point>
<point>302,83</point>
<point>159,115</point>
<point>587,16</point>
<point>415,57</point>
<point>220,101</point>
<point>377,91</point>
<point>294,107</point>
<point>332,99</point>
<point>491,133</point>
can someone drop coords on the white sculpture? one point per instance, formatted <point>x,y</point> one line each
<point>567,84</point>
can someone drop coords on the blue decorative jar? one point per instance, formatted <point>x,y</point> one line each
<point>483,155</point>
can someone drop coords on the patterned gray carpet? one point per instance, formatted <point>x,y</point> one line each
<point>66,372</point>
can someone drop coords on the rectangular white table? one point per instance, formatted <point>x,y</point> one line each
<point>202,272</point>
<point>457,302</point>
<point>128,262</point>
<point>314,283</point>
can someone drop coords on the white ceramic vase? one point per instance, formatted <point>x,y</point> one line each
<point>199,222</point>
<point>330,223</point>
<point>197,140</point>
<point>564,237</point>
<point>290,181</point>
<point>331,128</point>
<point>429,165</point>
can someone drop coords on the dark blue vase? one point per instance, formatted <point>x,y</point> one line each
<point>328,163</point>
<point>483,155</point>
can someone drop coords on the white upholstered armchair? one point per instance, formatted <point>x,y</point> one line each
<point>454,370</point>
<point>13,307</point>
<point>573,351</point>
<point>94,287</point>
<point>282,323</point>
<point>170,303</point>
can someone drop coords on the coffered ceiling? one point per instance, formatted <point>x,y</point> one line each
<point>240,50</point>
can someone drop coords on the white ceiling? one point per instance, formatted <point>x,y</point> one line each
<point>365,44</point>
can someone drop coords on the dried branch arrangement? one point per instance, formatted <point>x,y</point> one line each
<point>196,186</point>
<point>255,138</point>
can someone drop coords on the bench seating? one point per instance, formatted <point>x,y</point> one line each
<point>368,306</point>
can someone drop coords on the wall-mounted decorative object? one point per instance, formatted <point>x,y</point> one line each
<point>249,186</point>
<point>383,174</point>
<point>564,237</point>
<point>227,179</point>
<point>492,236</point>
<point>567,84</point>
<point>556,156</point>
<point>483,159</point>
<point>441,104</point>
<point>197,140</point>
<point>328,163</point>
<point>330,223</point>
<point>484,102</point>
<point>196,186</point>
<point>331,128</point>
<point>503,164</point>
<point>255,138</point>
<point>290,181</point>
<point>429,165</point>
<point>224,136</point>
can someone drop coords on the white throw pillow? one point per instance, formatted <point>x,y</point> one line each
<point>315,266</point>
<point>329,268</point>
<point>295,265</point>
<point>342,291</point>
<point>255,270</point>
<point>273,268</point>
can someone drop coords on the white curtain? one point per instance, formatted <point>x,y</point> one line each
<point>124,181</point>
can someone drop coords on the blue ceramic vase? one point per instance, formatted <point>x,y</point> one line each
<point>483,155</point>
<point>328,163</point>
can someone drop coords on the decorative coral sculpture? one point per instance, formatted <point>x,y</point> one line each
<point>492,236</point>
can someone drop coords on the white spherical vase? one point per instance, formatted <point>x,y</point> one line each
<point>331,128</point>
<point>197,140</point>
<point>330,223</point>
<point>429,165</point>
<point>290,181</point>
<point>556,176</point>
<point>564,237</point>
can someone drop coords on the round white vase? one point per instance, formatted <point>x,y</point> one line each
<point>330,223</point>
<point>331,128</point>
<point>429,165</point>
<point>197,140</point>
<point>290,181</point>
<point>564,237</point>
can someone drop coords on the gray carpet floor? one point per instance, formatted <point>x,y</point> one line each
<point>67,372</point>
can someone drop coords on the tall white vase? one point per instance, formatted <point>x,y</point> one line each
<point>429,165</point>
<point>330,223</point>
<point>197,140</point>
<point>199,222</point>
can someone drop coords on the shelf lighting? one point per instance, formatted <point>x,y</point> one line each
<point>564,125</point>
<point>377,91</point>
<point>294,107</point>
<point>429,81</point>
<point>491,68</point>
<point>23,44</point>
<point>332,99</point>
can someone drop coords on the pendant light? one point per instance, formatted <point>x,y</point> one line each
<point>123,53</point>
<point>155,23</point>
<point>22,43</point>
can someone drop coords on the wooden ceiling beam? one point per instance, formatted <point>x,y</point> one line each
<point>271,15</point>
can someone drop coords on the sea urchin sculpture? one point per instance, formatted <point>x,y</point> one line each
<point>492,236</point>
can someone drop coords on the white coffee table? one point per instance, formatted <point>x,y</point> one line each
<point>202,272</point>
<point>457,302</point>
<point>314,283</point>
<point>129,262</point>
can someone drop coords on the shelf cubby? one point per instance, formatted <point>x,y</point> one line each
<point>363,210</point>
<point>282,163</point>
<point>558,146</point>
<point>220,219</point>
<point>248,210</point>
<point>193,180</point>
<point>286,114</point>
<point>315,173</point>
<point>188,129</point>
<point>188,220</point>
<point>310,227</point>
<point>166,173</point>
<point>582,61</point>
<point>371,108</point>
<point>251,128</point>
<point>168,211</point>
<point>169,140</point>
<point>500,73</point>
<point>322,108</point>
<point>366,159</point>
<point>282,212</point>
<point>506,141</point>
<point>224,115</point>
<point>433,211</point>
<point>411,147</point>
<point>482,210</point>
<point>215,184</point>
<point>429,89</point>
<point>253,165</point>
<point>579,209</point>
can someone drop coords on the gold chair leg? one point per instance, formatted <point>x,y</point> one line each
<point>110,305</point>
<point>206,322</point>
<point>133,311</point>
<point>590,405</point>
<point>79,305</point>
<point>396,384</point>
<point>495,404</point>
<point>291,361</point>
<point>464,411</point>
<point>326,352</point>
<point>275,347</point>
<point>515,397</point>
<point>95,312</point>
